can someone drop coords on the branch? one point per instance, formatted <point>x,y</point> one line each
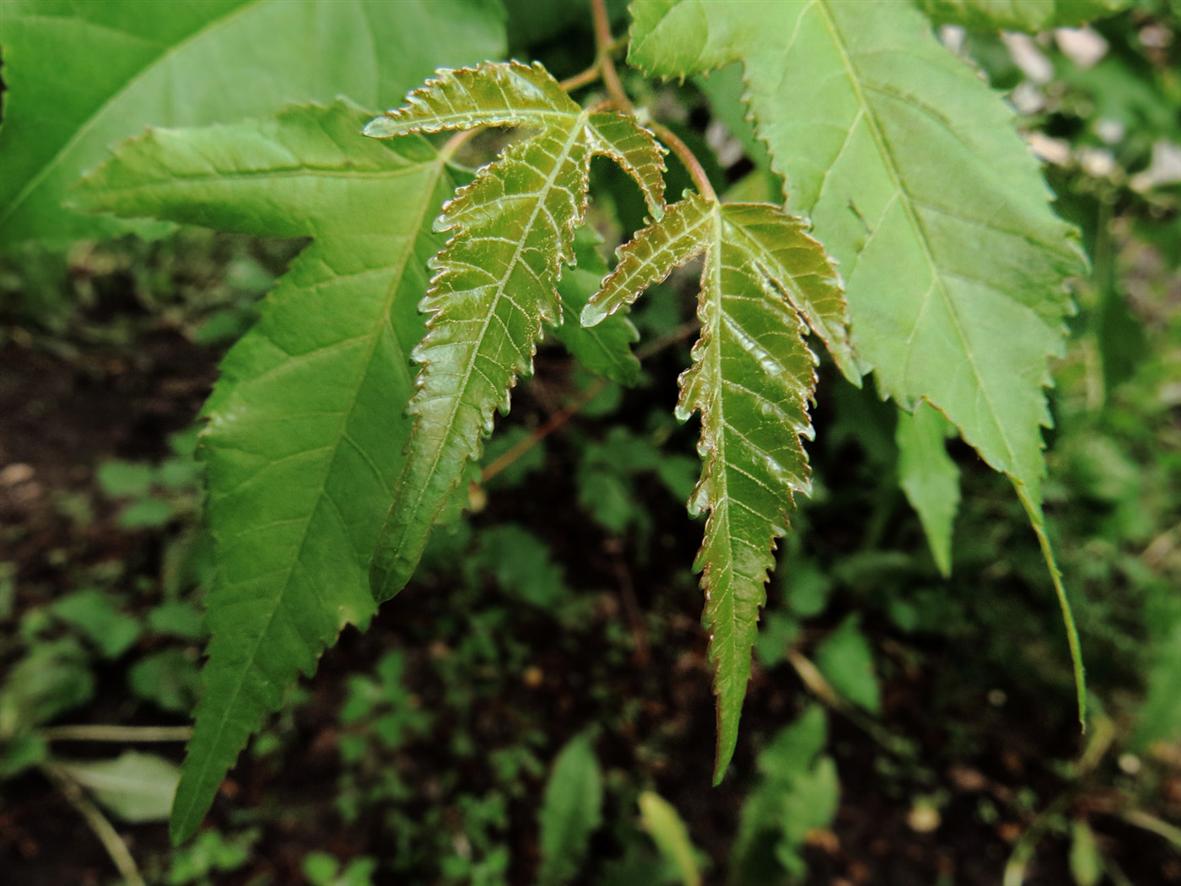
<point>562,416</point>
<point>687,157</point>
<point>101,732</point>
<point>604,46</point>
<point>102,828</point>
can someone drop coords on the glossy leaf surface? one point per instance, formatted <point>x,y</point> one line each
<point>764,283</point>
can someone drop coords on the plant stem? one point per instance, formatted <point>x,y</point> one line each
<point>556,421</point>
<point>101,732</point>
<point>553,423</point>
<point>102,828</point>
<point>687,157</point>
<point>604,45</point>
<point>582,78</point>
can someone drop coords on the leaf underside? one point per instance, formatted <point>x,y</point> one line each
<point>304,431</point>
<point>918,184</point>
<point>765,281</point>
<point>495,281</point>
<point>929,478</point>
<point>81,75</point>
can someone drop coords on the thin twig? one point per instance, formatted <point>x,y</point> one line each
<point>687,157</point>
<point>815,681</point>
<point>100,732</point>
<point>102,828</point>
<point>604,46</point>
<point>582,78</point>
<point>1153,824</point>
<point>556,421</point>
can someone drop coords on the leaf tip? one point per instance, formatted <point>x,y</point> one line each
<point>593,313</point>
<point>727,741</point>
<point>381,127</point>
<point>183,824</point>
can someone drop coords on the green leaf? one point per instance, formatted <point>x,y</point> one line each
<point>495,280</point>
<point>918,184</point>
<point>167,678</point>
<point>667,830</point>
<point>305,429</point>
<point>120,479</point>
<point>1086,862</point>
<point>21,752</point>
<point>1019,15</point>
<point>97,616</point>
<point>521,565</point>
<point>52,679</point>
<point>571,811</point>
<point>82,76</point>
<point>1159,717</point>
<point>752,379</point>
<point>798,791</point>
<point>929,477</point>
<point>846,661</point>
<point>136,787</point>
<point>147,513</point>
<point>176,619</point>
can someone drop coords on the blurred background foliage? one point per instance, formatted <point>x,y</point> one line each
<point>537,706</point>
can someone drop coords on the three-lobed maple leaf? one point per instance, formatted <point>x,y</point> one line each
<point>495,281</point>
<point>764,284</point>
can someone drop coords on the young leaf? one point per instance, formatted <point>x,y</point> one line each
<point>752,379</point>
<point>846,661</point>
<point>668,831</point>
<point>305,430</point>
<point>81,76</point>
<point>495,279</point>
<point>1020,15</point>
<point>570,812</point>
<point>136,787</point>
<point>920,187</point>
<point>929,477</point>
